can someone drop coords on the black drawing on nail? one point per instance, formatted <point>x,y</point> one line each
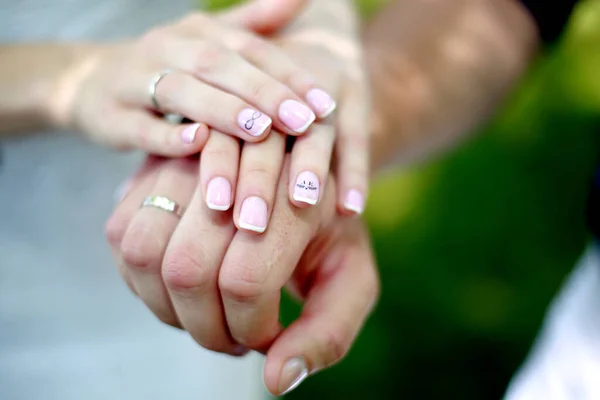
<point>250,123</point>
<point>310,186</point>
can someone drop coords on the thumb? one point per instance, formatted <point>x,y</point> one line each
<point>264,16</point>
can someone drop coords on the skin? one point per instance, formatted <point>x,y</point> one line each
<point>230,281</point>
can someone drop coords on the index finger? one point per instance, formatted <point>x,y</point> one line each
<point>255,268</point>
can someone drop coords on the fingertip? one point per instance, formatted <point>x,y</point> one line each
<point>352,202</point>
<point>194,138</point>
<point>321,102</point>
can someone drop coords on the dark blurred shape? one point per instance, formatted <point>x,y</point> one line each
<point>551,16</point>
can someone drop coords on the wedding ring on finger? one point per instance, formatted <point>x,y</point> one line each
<point>163,203</point>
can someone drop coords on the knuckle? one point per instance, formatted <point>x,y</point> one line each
<point>296,77</point>
<point>253,47</point>
<point>263,90</point>
<point>166,316</point>
<point>214,155</point>
<point>212,343</point>
<point>208,56</point>
<point>141,249</point>
<point>183,270</point>
<point>261,172</point>
<point>335,343</point>
<point>242,282</point>
<point>115,229</point>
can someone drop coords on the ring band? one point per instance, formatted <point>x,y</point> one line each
<point>164,203</point>
<point>152,87</point>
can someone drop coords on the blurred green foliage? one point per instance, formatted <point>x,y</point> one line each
<point>472,246</point>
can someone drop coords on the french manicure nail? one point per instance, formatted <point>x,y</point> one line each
<point>296,116</point>
<point>306,189</point>
<point>293,373</point>
<point>321,102</point>
<point>253,215</point>
<point>254,122</point>
<point>188,134</point>
<point>218,194</point>
<point>355,201</point>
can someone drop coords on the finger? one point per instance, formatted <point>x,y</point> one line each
<point>342,294</point>
<point>311,157</point>
<point>255,268</point>
<point>352,149</point>
<point>264,16</point>
<point>139,129</point>
<point>274,62</point>
<point>180,93</point>
<point>260,168</point>
<point>116,226</point>
<point>228,71</point>
<point>190,269</point>
<point>148,235</point>
<point>219,164</point>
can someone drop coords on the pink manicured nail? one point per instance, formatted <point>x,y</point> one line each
<point>306,189</point>
<point>218,194</point>
<point>355,201</point>
<point>321,102</point>
<point>189,133</point>
<point>254,122</point>
<point>253,215</point>
<point>296,116</point>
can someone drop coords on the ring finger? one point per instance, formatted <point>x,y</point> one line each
<point>149,232</point>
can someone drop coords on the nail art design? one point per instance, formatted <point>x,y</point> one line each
<point>306,189</point>
<point>250,123</point>
<point>253,121</point>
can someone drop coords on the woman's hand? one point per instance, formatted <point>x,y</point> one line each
<point>252,180</point>
<point>223,286</point>
<point>240,91</point>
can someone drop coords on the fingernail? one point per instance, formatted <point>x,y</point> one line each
<point>254,122</point>
<point>293,373</point>
<point>296,116</point>
<point>189,133</point>
<point>218,194</point>
<point>253,215</point>
<point>306,189</point>
<point>321,102</point>
<point>355,201</point>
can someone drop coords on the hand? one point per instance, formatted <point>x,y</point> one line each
<point>223,286</point>
<point>240,92</point>
<point>252,181</point>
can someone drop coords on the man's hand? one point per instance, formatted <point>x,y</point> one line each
<point>202,275</point>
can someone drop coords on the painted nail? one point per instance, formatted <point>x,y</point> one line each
<point>218,194</point>
<point>355,201</point>
<point>254,122</point>
<point>321,102</point>
<point>296,116</point>
<point>294,372</point>
<point>253,215</point>
<point>306,189</point>
<point>189,133</point>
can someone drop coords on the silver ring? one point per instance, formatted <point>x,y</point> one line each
<point>165,204</point>
<point>152,87</point>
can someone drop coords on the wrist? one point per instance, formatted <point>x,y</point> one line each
<point>57,94</point>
